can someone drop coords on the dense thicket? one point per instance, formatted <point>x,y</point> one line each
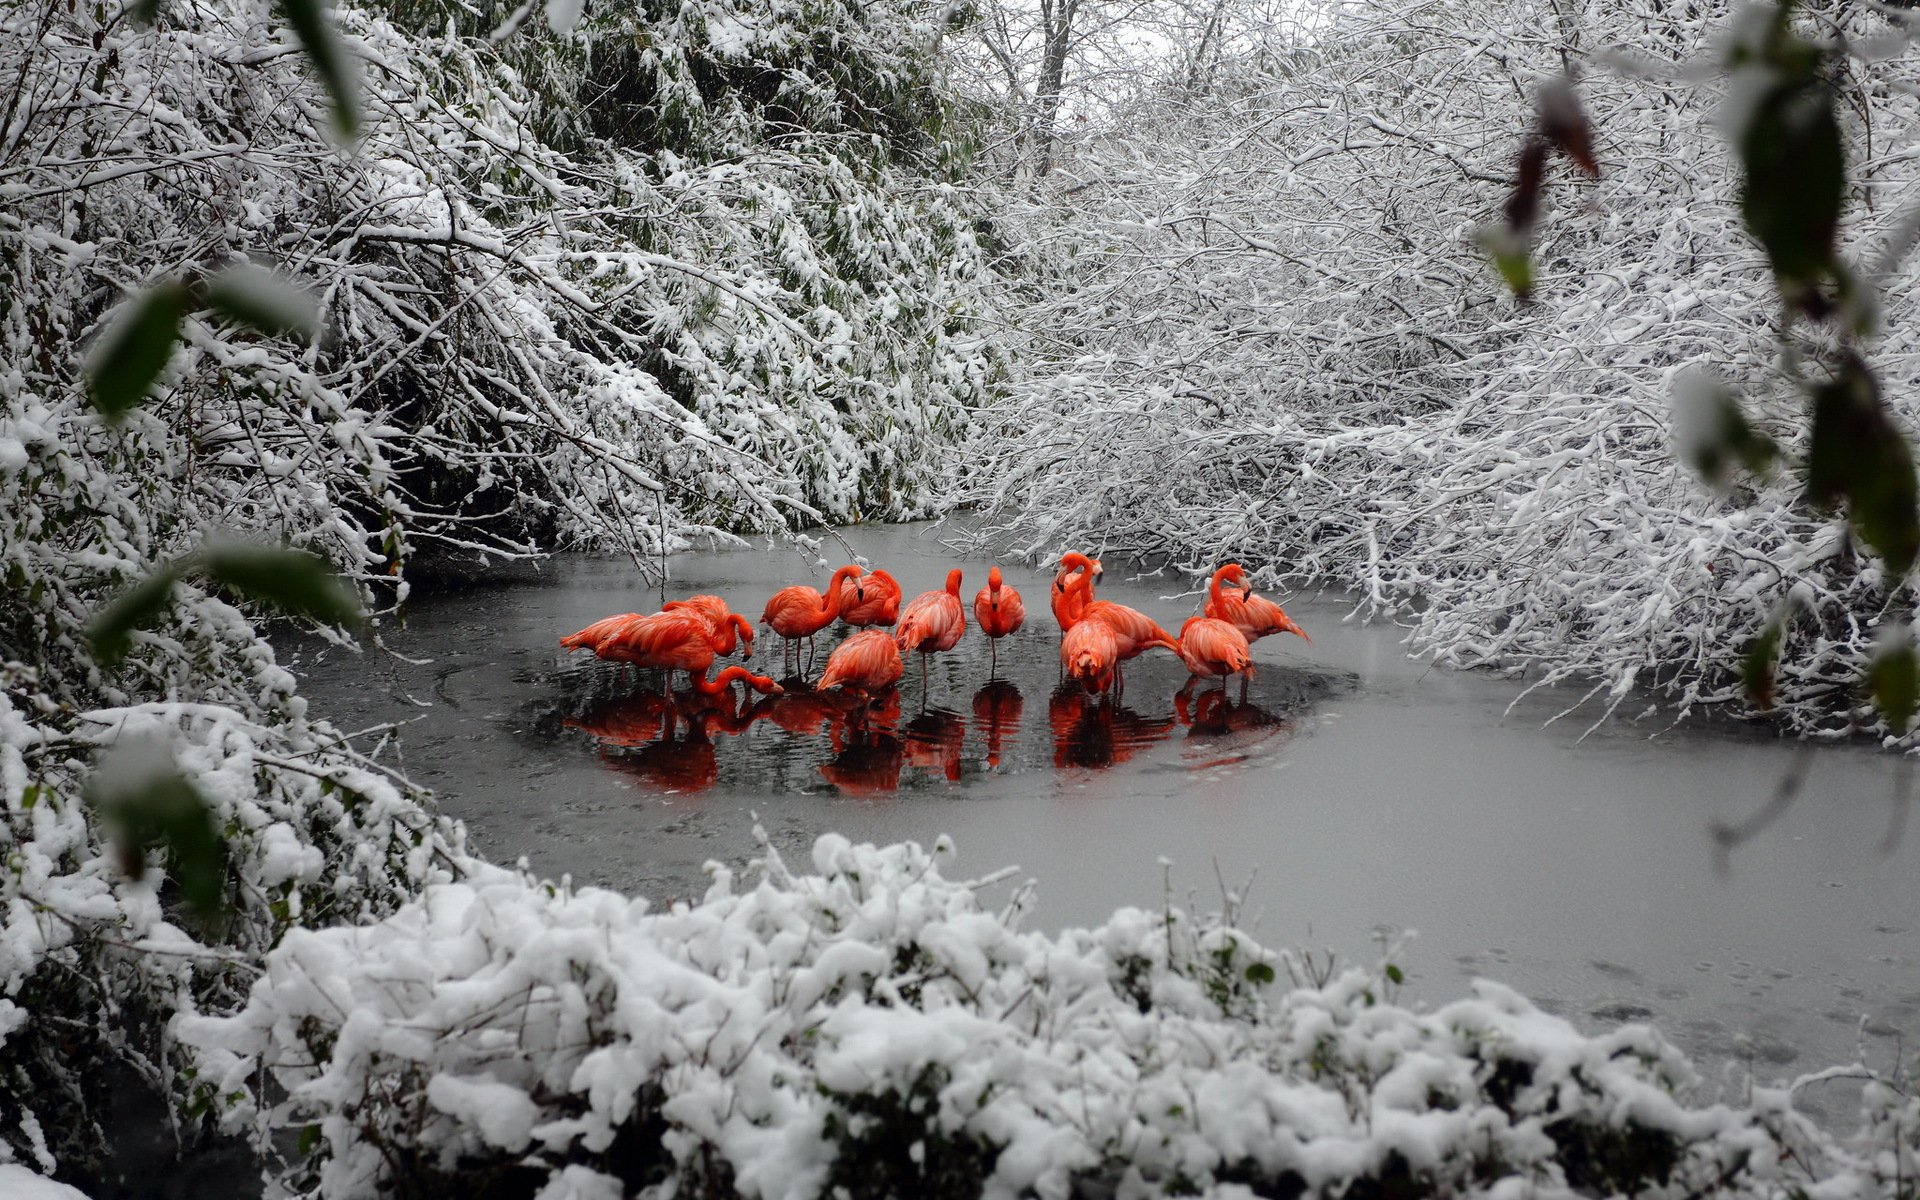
<point>1281,342</point>
<point>715,273</point>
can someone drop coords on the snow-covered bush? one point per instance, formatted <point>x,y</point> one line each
<point>871,1029</point>
<point>743,293</point>
<point>1280,342</point>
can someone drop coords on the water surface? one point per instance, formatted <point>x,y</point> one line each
<point>1361,792</point>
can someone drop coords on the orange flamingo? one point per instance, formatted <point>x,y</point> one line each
<point>933,622</point>
<point>1000,612</point>
<point>722,618</point>
<point>800,611</point>
<point>592,637</point>
<point>1134,632</point>
<point>869,661</point>
<point>1073,587</point>
<point>679,641</point>
<point>1213,649</point>
<point>873,599</point>
<point>1089,654</point>
<point>1254,616</point>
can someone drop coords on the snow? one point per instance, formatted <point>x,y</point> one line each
<point>18,1183</point>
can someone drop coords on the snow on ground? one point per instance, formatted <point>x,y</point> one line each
<point>875,1027</point>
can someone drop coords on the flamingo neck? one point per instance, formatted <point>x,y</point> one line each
<point>1219,582</point>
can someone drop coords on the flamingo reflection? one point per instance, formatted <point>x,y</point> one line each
<point>933,742</point>
<point>996,710</point>
<point>867,764</point>
<point>1215,721</point>
<point>637,735</point>
<point>1089,733</point>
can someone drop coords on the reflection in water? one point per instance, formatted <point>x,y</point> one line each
<point>864,745</point>
<point>934,739</point>
<point>1211,714</point>
<point>1091,732</point>
<point>1216,722</point>
<point>868,764</point>
<point>637,735</point>
<point>996,711</point>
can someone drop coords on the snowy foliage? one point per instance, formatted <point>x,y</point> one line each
<point>1278,341</point>
<point>872,1029</point>
<point>745,292</point>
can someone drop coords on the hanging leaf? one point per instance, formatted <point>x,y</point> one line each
<point>311,24</point>
<point>135,349</point>
<point>1857,455</point>
<point>147,804</point>
<point>1758,664</point>
<point>111,631</point>
<point>1893,679</point>
<point>1792,160</point>
<point>262,300</point>
<point>1564,124</point>
<point>1712,434</point>
<point>293,582</point>
<point>1512,257</point>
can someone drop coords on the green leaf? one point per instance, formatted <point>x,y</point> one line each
<point>310,23</point>
<point>1793,162</point>
<point>135,349</point>
<point>293,582</point>
<point>1757,665</point>
<point>1857,454</point>
<point>1259,973</point>
<point>1512,257</point>
<point>1712,434</point>
<point>262,300</point>
<point>309,1139</point>
<point>1395,974</point>
<point>111,630</point>
<point>1893,679</point>
<point>148,804</point>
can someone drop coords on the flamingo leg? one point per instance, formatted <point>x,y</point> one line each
<point>993,657</point>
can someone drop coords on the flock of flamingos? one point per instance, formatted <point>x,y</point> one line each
<point>1097,636</point>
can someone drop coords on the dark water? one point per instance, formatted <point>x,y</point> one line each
<point>1363,793</point>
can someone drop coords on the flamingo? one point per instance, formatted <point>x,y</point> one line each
<point>1213,649</point>
<point>933,622</point>
<point>679,641</point>
<point>866,662</point>
<point>1134,632</point>
<point>596,634</point>
<point>1089,654</point>
<point>800,611</point>
<point>1073,587</point>
<point>1000,612</point>
<point>722,618</point>
<point>873,599</point>
<point>1254,616</point>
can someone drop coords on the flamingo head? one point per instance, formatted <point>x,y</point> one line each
<point>744,628</point>
<point>993,583</point>
<point>953,582</point>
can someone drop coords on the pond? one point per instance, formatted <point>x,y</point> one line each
<point>1362,793</point>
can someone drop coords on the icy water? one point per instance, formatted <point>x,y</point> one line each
<point>1362,792</point>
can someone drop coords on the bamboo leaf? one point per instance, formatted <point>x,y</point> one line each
<point>293,582</point>
<point>135,349</point>
<point>148,804</point>
<point>311,24</point>
<point>111,630</point>
<point>262,300</point>
<point>1893,679</point>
